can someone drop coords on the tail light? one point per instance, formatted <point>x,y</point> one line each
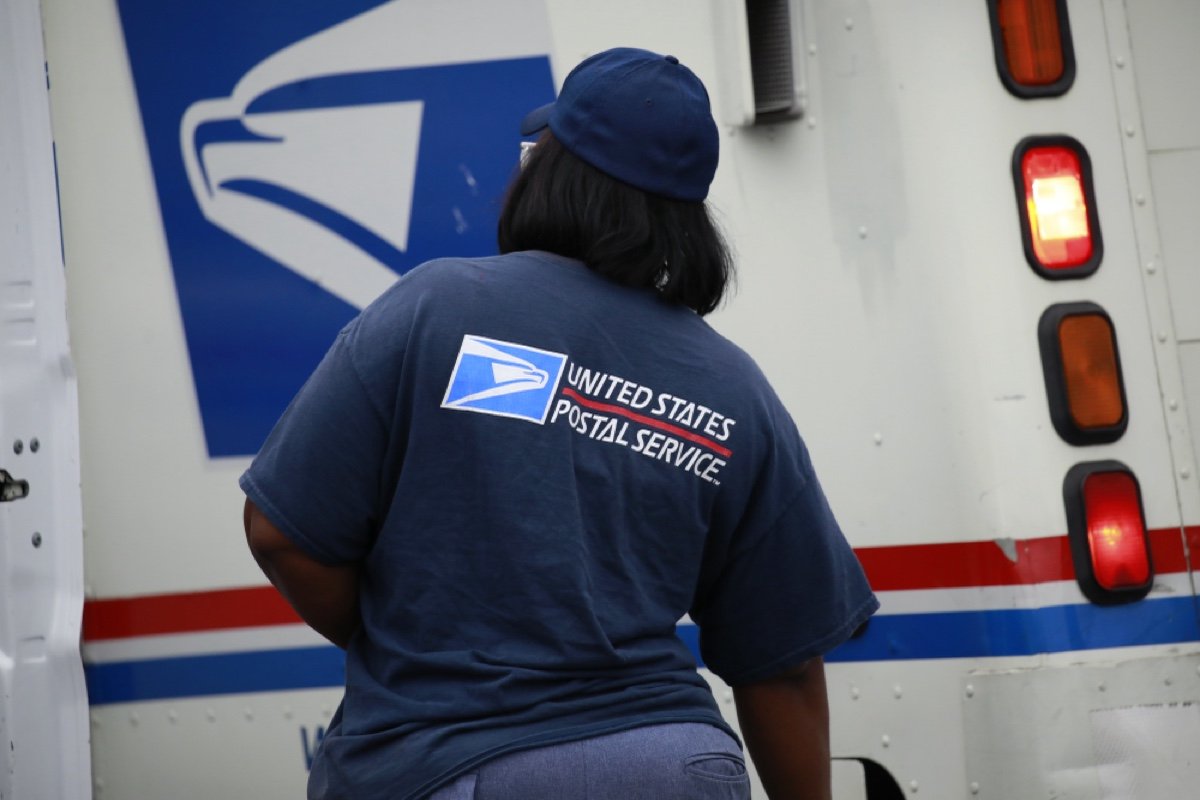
<point>1082,370</point>
<point>1107,530</point>
<point>1057,206</point>
<point>1032,40</point>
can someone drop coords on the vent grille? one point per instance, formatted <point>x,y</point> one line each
<point>770,28</point>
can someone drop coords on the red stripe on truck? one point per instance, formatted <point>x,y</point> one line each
<point>894,568</point>
<point>998,562</point>
<point>192,612</point>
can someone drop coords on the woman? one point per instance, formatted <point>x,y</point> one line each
<point>511,476</point>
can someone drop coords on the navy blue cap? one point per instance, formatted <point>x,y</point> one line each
<point>637,116</point>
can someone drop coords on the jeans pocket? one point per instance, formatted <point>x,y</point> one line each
<point>724,767</point>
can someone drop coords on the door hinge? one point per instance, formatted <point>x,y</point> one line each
<point>11,488</point>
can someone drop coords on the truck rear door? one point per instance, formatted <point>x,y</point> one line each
<point>43,702</point>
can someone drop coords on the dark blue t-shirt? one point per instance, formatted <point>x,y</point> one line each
<point>541,472</point>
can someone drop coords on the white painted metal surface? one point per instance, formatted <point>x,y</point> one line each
<point>43,712</point>
<point>1147,750</point>
<point>884,291</point>
<point>1076,738</point>
<point>1166,62</point>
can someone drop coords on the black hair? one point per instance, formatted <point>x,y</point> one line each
<point>561,204</point>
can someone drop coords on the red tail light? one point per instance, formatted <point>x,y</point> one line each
<point>1107,530</point>
<point>1057,206</point>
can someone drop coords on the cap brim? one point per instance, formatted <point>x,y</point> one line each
<point>536,120</point>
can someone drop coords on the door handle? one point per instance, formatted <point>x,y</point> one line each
<point>11,488</point>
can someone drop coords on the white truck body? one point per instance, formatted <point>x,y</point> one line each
<point>237,179</point>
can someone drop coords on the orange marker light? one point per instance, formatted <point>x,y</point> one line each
<point>1107,530</point>
<point>1032,40</point>
<point>1059,225</point>
<point>1093,378</point>
<point>1082,369</point>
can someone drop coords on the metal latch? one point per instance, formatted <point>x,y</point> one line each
<point>11,488</point>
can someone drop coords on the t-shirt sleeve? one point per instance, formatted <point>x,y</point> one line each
<point>317,477</point>
<point>790,587</point>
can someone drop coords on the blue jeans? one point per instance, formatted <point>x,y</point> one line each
<point>678,761</point>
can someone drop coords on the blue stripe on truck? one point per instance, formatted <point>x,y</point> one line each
<point>958,634</point>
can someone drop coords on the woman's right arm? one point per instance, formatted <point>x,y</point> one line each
<point>785,723</point>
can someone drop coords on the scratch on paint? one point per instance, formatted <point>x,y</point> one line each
<point>460,222</point>
<point>1008,546</point>
<point>470,178</point>
<point>1008,397</point>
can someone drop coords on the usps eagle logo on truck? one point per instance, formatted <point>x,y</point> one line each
<point>306,154</point>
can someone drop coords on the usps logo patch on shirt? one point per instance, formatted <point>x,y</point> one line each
<point>504,379</point>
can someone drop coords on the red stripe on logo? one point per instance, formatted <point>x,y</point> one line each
<point>674,430</point>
